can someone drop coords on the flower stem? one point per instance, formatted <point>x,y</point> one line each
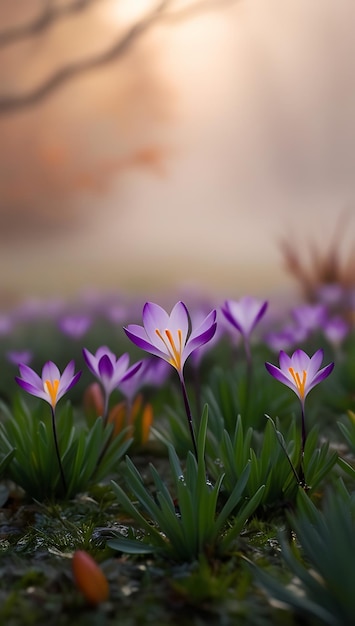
<point>304,435</point>
<point>57,451</point>
<point>303,443</point>
<point>189,417</point>
<point>248,356</point>
<point>249,378</point>
<point>105,411</point>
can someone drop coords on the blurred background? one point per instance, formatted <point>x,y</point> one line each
<point>166,145</point>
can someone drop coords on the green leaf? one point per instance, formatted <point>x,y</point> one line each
<point>130,546</point>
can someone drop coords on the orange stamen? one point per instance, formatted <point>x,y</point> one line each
<point>175,353</point>
<point>300,384</point>
<point>51,387</point>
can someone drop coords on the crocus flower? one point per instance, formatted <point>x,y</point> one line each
<point>300,373</point>
<point>335,329</point>
<point>109,370</point>
<point>310,317</point>
<point>285,338</point>
<point>19,356</point>
<point>244,315</point>
<point>52,385</point>
<point>75,326</point>
<point>168,336</point>
<point>6,324</point>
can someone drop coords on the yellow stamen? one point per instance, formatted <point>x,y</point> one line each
<point>300,384</point>
<point>51,387</point>
<point>174,352</point>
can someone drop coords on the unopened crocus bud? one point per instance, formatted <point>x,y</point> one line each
<point>93,400</point>
<point>89,578</point>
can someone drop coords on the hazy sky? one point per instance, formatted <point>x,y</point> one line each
<point>258,122</point>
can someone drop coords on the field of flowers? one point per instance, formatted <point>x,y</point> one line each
<point>178,463</point>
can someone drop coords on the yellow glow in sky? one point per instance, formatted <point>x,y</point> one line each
<point>126,11</point>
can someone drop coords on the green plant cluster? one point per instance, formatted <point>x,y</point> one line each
<point>198,513</point>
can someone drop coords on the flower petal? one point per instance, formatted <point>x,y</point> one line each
<point>199,340</point>
<point>32,389</point>
<point>50,371</point>
<point>91,361</point>
<point>315,363</point>
<point>67,375</point>
<point>322,374</point>
<point>300,361</point>
<point>105,367</point>
<point>179,320</point>
<point>30,376</point>
<point>154,316</point>
<point>139,337</point>
<point>63,389</point>
<point>281,377</point>
<point>209,320</point>
<point>131,371</point>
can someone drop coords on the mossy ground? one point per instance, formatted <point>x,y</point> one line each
<point>37,542</point>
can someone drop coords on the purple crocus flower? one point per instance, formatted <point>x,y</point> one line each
<point>300,373</point>
<point>285,338</point>
<point>6,324</point>
<point>16,357</point>
<point>109,370</point>
<point>310,317</point>
<point>52,385</point>
<point>75,326</point>
<point>169,336</point>
<point>244,315</point>
<point>336,329</point>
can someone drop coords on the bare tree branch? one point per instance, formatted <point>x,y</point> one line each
<point>16,102</point>
<point>46,18</point>
<point>13,103</point>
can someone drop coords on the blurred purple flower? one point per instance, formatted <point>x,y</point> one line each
<point>19,356</point>
<point>75,326</point>
<point>335,330</point>
<point>310,316</point>
<point>35,308</point>
<point>116,313</point>
<point>108,369</point>
<point>6,324</point>
<point>331,294</point>
<point>244,315</point>
<point>285,338</point>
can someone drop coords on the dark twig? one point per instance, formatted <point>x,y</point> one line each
<point>16,102</point>
<point>48,16</point>
<point>13,103</point>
